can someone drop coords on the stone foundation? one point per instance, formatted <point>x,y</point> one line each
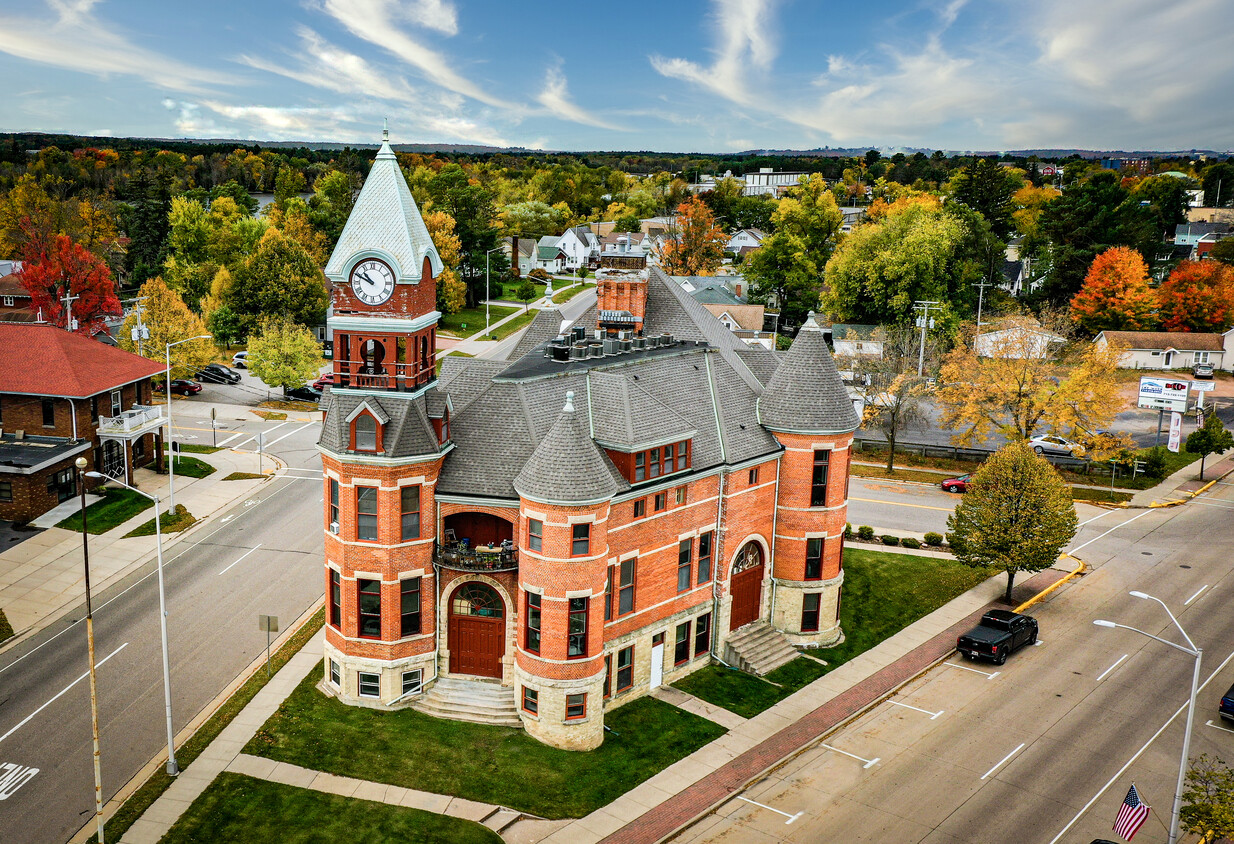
<point>789,599</point>
<point>549,724</point>
<point>390,674</point>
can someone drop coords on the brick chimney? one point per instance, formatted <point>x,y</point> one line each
<point>621,300</point>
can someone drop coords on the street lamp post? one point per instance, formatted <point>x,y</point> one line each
<point>1198,654</point>
<point>487,295</point>
<point>173,767</point>
<point>171,457</point>
<point>80,463</point>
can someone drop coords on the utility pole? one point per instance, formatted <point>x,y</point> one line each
<point>981,299</point>
<point>924,322</point>
<point>140,332</point>
<point>68,301</point>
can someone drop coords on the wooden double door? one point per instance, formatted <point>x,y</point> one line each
<point>747,586</point>
<point>477,630</point>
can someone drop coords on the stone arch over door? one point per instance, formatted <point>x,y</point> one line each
<point>746,584</point>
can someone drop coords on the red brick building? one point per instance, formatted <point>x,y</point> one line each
<point>63,395</point>
<point>621,501</point>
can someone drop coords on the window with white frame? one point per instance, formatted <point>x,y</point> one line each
<point>336,676</point>
<point>412,681</point>
<point>370,684</point>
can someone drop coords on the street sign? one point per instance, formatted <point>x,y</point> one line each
<point>1164,394</point>
<point>268,623</point>
<point>1203,386</point>
<point>1176,432</point>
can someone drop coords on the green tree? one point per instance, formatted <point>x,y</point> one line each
<point>1211,438</point>
<point>987,188</point>
<point>525,292</point>
<point>226,327</point>
<point>1016,515</point>
<point>628,223</point>
<point>168,320</point>
<point>238,194</point>
<point>1208,799</point>
<point>284,354</point>
<point>278,278</point>
<point>334,194</point>
<point>288,184</point>
<point>1218,183</point>
<point>471,206</point>
<point>1223,251</point>
<point>1167,196</point>
<point>533,219</point>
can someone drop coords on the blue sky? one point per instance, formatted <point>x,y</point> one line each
<point>686,75</point>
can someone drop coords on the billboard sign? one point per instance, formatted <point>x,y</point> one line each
<point>1164,394</point>
<point>1176,432</point>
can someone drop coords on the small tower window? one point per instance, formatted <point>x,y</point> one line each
<point>365,433</point>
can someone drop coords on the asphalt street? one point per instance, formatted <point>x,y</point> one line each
<point>1033,751</point>
<point>262,556</point>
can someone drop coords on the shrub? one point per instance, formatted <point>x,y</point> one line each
<point>957,545</point>
<point>888,539</point>
<point>539,273</point>
<point>910,542</point>
<point>933,539</point>
<point>865,532</point>
<point>1154,463</point>
<point>848,530</point>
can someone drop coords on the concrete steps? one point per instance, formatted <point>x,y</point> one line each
<point>478,701</point>
<point>759,649</point>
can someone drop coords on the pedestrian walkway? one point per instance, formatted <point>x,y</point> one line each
<point>659,806</point>
<point>1185,484</point>
<point>43,576</point>
<point>474,344</point>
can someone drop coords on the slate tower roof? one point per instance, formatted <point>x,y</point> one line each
<point>567,467</point>
<point>806,395</point>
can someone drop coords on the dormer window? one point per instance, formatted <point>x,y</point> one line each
<point>364,430</point>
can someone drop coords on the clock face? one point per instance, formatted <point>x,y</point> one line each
<point>372,281</point>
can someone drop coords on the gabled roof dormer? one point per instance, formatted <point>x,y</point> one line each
<point>367,424</point>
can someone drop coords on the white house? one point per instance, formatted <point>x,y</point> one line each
<point>1171,349</point>
<point>1018,340</point>
<point>526,253</point>
<point>550,256</point>
<point>751,238</point>
<point>581,246</point>
<point>857,340</point>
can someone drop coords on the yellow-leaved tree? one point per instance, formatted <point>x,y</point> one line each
<point>168,320</point>
<point>451,290</point>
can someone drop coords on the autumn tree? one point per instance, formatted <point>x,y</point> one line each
<point>1115,295</point>
<point>278,278</point>
<point>1027,204</point>
<point>1016,515</point>
<point>29,214</point>
<point>168,320</point>
<point>533,219</point>
<point>58,266</point>
<point>894,395</point>
<point>1019,391</point>
<point>787,269</point>
<point>1208,799</point>
<point>698,245</point>
<point>987,187</point>
<point>1198,296</point>
<point>1210,438</point>
<point>451,291</point>
<point>283,353</point>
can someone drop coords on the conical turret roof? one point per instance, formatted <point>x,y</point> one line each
<point>385,219</point>
<point>806,395</point>
<point>567,467</point>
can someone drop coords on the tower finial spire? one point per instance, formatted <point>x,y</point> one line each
<point>385,129</point>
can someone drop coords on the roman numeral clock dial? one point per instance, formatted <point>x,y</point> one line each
<point>372,281</point>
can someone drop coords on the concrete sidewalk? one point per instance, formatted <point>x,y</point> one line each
<point>43,576</point>
<point>474,344</point>
<point>1185,484</point>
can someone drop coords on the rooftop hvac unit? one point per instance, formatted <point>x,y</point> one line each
<point>579,332</point>
<point>666,339</point>
<point>624,335</point>
<point>626,345</point>
<point>560,353</point>
<point>611,346</point>
<point>652,342</point>
<point>578,351</point>
<point>640,342</point>
<point>596,350</point>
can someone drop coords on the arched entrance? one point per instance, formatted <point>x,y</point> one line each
<point>477,630</point>
<point>747,585</point>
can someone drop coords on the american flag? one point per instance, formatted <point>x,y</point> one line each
<point>1131,815</point>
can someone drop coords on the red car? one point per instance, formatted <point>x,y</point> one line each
<point>324,381</point>
<point>182,386</point>
<point>959,484</point>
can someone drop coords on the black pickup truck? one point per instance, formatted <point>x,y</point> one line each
<point>999,633</point>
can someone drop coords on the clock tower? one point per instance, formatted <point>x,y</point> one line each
<point>385,434</point>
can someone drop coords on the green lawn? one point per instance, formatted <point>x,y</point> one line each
<point>236,808</point>
<point>243,476</point>
<point>118,506</point>
<point>191,467</point>
<point>167,523</point>
<point>499,765</point>
<point>570,292</point>
<point>509,291</point>
<point>884,592</point>
<point>519,322</point>
<point>193,448</point>
<point>473,318</point>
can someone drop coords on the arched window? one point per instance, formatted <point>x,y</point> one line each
<point>365,432</point>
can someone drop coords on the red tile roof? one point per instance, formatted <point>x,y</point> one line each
<point>42,360</point>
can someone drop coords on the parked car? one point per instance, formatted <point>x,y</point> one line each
<point>240,360</point>
<point>1000,633</point>
<point>324,381</point>
<point>1227,705</point>
<point>1052,444</point>
<point>1202,370</point>
<point>216,373</point>
<point>183,386</point>
<point>959,484</point>
<point>305,393</point>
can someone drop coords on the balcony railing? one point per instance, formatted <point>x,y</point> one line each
<point>401,377</point>
<point>137,418</point>
<point>461,557</point>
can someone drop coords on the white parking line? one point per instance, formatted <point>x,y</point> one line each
<point>1004,759</point>
<point>242,556</point>
<point>1196,595</point>
<point>285,436</point>
<point>868,762</point>
<point>1117,663</point>
<point>1111,530</point>
<point>232,437</point>
<point>1215,727</point>
<point>932,715</point>
<point>264,433</point>
<point>98,664</point>
<point>1216,504</point>
<point>974,670</point>
<point>791,818</point>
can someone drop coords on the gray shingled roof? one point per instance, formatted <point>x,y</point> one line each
<point>465,378</point>
<point>567,467</point>
<point>544,327</point>
<point>806,394</point>
<point>621,410</point>
<point>372,224</point>
<point>408,432</point>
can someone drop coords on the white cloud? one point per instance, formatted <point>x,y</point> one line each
<point>744,40</point>
<point>78,40</point>
<point>556,98</point>
<point>324,65</point>
<point>377,21</point>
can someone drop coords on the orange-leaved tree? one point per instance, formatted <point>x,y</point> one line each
<point>1198,296</point>
<point>1115,294</point>
<point>698,247</point>
<point>57,266</point>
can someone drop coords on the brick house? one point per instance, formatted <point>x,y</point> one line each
<point>535,540</point>
<point>15,299</point>
<point>63,395</point>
